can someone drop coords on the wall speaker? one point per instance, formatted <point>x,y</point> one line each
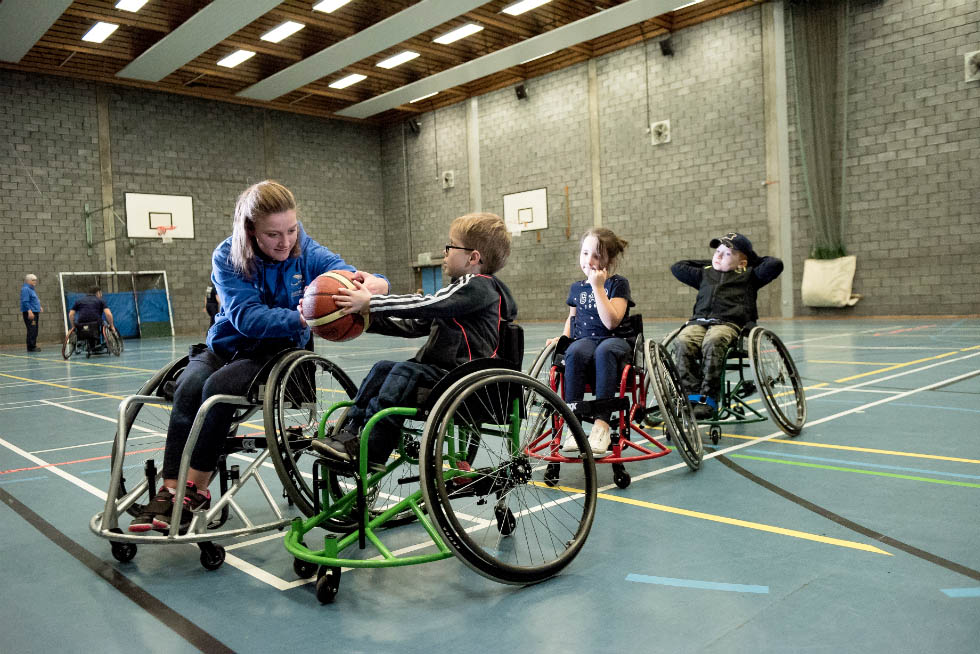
<point>521,92</point>
<point>667,47</point>
<point>414,126</point>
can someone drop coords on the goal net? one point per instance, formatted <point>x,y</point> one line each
<point>139,301</point>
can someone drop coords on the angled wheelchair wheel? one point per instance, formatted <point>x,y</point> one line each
<point>113,340</point>
<point>497,513</point>
<point>541,366</point>
<point>145,429</point>
<point>301,388</point>
<point>71,341</point>
<point>779,382</point>
<point>675,408</point>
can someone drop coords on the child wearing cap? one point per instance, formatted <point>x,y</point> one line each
<point>727,288</point>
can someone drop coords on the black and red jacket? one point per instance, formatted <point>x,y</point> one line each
<point>728,297</point>
<point>462,320</point>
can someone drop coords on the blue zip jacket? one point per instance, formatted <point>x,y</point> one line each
<point>263,308</point>
<point>29,299</point>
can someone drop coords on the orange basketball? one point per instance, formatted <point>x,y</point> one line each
<point>322,314</point>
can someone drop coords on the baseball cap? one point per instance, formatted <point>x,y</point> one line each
<point>735,241</point>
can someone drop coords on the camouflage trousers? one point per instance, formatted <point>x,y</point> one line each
<point>699,353</point>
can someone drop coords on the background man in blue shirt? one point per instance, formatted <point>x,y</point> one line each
<point>30,307</point>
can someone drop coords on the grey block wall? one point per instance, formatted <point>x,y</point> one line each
<point>167,144</point>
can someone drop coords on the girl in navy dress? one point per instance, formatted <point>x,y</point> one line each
<point>598,307</point>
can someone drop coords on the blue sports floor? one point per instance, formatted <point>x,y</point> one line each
<point>860,535</point>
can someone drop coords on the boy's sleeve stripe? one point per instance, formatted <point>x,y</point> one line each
<point>400,302</point>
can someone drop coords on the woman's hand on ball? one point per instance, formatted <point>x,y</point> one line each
<point>354,300</point>
<point>376,285</point>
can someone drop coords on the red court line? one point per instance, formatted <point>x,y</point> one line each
<point>68,463</point>
<point>906,329</point>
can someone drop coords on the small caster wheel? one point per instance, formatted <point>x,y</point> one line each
<point>123,552</point>
<point>327,584</point>
<point>506,522</point>
<point>304,569</point>
<point>212,556</point>
<point>715,434</point>
<point>620,476</point>
<point>551,474</point>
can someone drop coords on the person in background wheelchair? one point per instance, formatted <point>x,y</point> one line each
<point>86,316</point>
<point>260,272</point>
<point>727,287</point>
<point>462,321</point>
<point>598,308</point>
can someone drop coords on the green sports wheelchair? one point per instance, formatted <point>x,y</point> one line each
<point>776,380</point>
<point>460,476</point>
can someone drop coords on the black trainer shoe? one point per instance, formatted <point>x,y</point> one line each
<point>162,502</point>
<point>702,411</point>
<point>193,501</point>
<point>345,445</point>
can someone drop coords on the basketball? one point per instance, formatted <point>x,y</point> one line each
<point>322,314</point>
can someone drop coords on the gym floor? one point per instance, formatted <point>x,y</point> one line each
<point>858,535</point>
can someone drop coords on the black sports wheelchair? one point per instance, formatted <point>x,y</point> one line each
<point>648,385</point>
<point>776,380</point>
<point>92,338</point>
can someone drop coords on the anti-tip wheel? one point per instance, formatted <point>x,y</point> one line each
<point>212,556</point>
<point>327,584</point>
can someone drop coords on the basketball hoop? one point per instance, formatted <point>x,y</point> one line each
<point>163,233</point>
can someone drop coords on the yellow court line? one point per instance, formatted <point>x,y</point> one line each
<point>76,363</point>
<point>731,521</point>
<point>856,363</point>
<point>896,366</point>
<point>69,388</point>
<point>851,448</point>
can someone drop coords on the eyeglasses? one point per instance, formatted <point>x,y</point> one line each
<point>457,247</point>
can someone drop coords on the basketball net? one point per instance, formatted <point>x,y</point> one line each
<point>163,231</point>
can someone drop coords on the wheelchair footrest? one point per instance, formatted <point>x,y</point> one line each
<point>587,409</point>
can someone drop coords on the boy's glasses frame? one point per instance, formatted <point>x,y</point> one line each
<point>457,247</point>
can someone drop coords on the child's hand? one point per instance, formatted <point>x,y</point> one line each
<point>299,307</point>
<point>354,300</point>
<point>597,277</point>
<point>551,340</point>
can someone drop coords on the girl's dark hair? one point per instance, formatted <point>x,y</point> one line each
<point>610,246</point>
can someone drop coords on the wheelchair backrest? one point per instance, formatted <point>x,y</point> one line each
<point>510,346</point>
<point>88,329</point>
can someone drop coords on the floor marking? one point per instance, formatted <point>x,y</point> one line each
<point>855,363</point>
<point>693,583</point>
<point>78,363</point>
<point>850,524</point>
<point>854,448</point>
<point>870,465</point>
<point>906,329</point>
<point>745,523</point>
<point>874,473</point>
<point>69,388</point>
<point>896,366</point>
<point>961,592</point>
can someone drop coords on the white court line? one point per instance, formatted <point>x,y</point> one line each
<point>761,439</point>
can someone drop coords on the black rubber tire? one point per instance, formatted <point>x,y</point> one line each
<point>68,347</point>
<point>123,552</point>
<point>113,340</point>
<point>212,555</point>
<point>777,377</point>
<point>300,389</point>
<point>327,584</point>
<point>550,526</point>
<point>304,569</point>
<point>675,408</point>
<point>715,434</point>
<point>621,478</point>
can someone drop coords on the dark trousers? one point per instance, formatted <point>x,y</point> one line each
<point>32,324</point>
<point>389,384</point>
<point>602,360</point>
<point>206,375</point>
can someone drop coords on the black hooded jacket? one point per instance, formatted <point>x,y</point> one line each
<point>728,297</point>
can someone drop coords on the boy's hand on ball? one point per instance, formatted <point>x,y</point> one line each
<point>353,300</point>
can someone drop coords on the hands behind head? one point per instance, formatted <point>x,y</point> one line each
<point>597,277</point>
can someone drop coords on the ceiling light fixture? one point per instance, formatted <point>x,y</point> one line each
<point>328,6</point>
<point>99,32</point>
<point>458,33</point>
<point>519,8</point>
<point>550,52</point>
<point>277,34</point>
<point>236,58</point>
<point>130,5</point>
<point>398,59</point>
<point>423,97</point>
<point>348,81</point>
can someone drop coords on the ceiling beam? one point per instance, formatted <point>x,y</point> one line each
<point>199,33</point>
<point>559,38</point>
<point>404,25</point>
<point>24,22</point>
